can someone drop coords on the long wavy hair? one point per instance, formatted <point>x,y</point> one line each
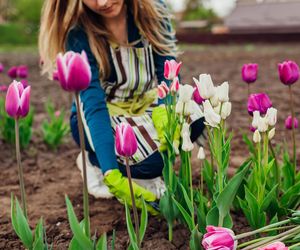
<point>59,16</point>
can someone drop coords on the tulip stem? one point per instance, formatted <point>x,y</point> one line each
<point>20,169</point>
<point>135,213</point>
<point>277,169</point>
<point>85,189</point>
<point>293,129</point>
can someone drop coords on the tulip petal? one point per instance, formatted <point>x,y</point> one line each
<point>62,71</point>
<point>167,69</point>
<point>130,142</point>
<point>79,74</point>
<point>25,102</point>
<point>119,140</point>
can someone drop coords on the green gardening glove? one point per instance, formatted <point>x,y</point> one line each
<point>118,185</point>
<point>160,121</point>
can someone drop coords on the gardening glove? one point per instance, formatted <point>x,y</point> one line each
<point>119,186</point>
<point>160,121</point>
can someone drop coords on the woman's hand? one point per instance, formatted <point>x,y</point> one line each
<point>118,185</point>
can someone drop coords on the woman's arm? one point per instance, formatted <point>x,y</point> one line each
<point>93,104</point>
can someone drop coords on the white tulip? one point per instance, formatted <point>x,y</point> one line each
<point>197,111</point>
<point>271,116</point>
<point>189,108</point>
<point>201,154</point>
<point>222,92</point>
<point>256,117</point>
<point>179,107</point>
<point>226,109</point>
<point>187,144</point>
<point>214,100</point>
<point>256,136</point>
<point>211,117</point>
<point>271,134</point>
<point>262,124</point>
<point>185,93</point>
<point>205,86</point>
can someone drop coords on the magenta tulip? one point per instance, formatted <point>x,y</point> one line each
<point>3,88</point>
<point>12,72</point>
<point>163,90</point>
<point>249,72</point>
<point>259,102</point>
<point>126,142</point>
<point>197,97</point>
<point>24,82</point>
<point>22,71</point>
<point>1,67</point>
<point>171,69</point>
<point>274,246</point>
<point>17,100</point>
<point>174,88</point>
<point>219,238</point>
<point>288,72</point>
<point>289,123</point>
<point>74,71</point>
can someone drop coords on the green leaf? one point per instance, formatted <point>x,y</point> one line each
<point>250,144</point>
<point>187,217</point>
<point>195,241</point>
<point>25,233</point>
<point>144,220</point>
<point>272,221</point>
<point>113,241</point>
<point>74,245</point>
<point>226,197</point>
<point>130,229</point>
<point>269,198</point>
<point>79,235</point>
<point>289,197</point>
<point>187,200</point>
<point>38,243</point>
<point>102,243</point>
<point>212,218</point>
<point>208,175</point>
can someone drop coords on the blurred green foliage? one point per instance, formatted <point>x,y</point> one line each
<point>21,20</point>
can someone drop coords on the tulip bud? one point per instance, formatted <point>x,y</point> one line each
<point>289,122</point>
<point>256,136</point>
<point>174,85</point>
<point>74,71</point>
<point>171,69</point>
<point>259,102</point>
<point>271,116</point>
<point>179,107</point>
<point>163,90</point>
<point>211,117</point>
<point>197,97</point>
<point>57,113</point>
<point>185,93</point>
<point>219,238</point>
<point>3,88</point>
<point>201,154</point>
<point>17,100</point>
<point>205,86</point>
<point>288,72</point>
<point>256,117</point>
<point>222,92</point>
<point>249,72</point>
<point>1,67</point>
<point>126,142</point>
<point>271,134</point>
<point>12,72</point>
<point>225,111</point>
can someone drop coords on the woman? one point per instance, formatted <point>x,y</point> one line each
<point>127,43</point>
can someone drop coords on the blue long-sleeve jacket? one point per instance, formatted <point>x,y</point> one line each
<point>93,100</point>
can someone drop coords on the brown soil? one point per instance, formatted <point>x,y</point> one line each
<point>49,175</point>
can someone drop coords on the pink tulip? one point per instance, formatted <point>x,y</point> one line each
<point>175,85</point>
<point>274,246</point>
<point>249,72</point>
<point>259,102</point>
<point>17,100</point>
<point>57,113</point>
<point>3,88</point>
<point>12,72</point>
<point>197,97</point>
<point>74,71</point>
<point>219,238</point>
<point>289,123</point>
<point>171,69</point>
<point>163,90</point>
<point>1,67</point>
<point>288,72</point>
<point>22,71</point>
<point>126,142</point>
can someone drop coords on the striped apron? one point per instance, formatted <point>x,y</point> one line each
<point>135,90</point>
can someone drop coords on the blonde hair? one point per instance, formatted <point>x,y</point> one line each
<point>59,16</point>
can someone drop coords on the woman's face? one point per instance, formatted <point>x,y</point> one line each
<point>105,8</point>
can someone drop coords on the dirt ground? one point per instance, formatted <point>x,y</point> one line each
<point>49,175</point>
